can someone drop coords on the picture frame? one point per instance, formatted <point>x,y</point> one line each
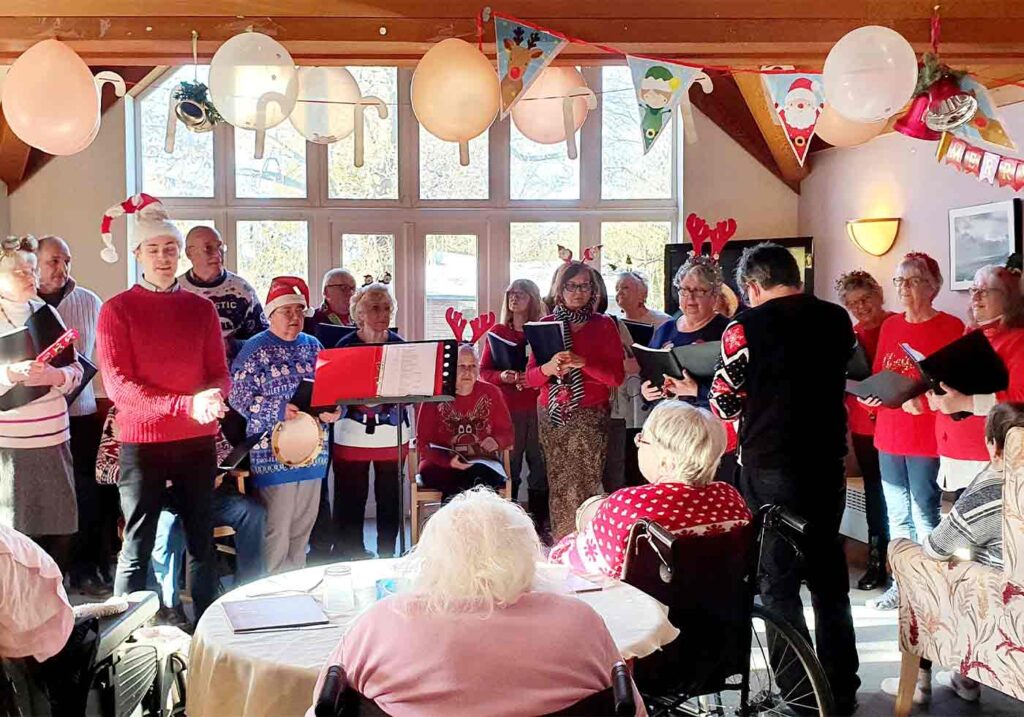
<point>981,235</point>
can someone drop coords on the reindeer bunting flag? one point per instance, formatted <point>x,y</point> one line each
<point>523,51</point>
<point>660,88</point>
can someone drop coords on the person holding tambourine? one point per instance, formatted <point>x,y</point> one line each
<point>289,460</point>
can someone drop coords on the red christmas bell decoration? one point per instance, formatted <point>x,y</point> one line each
<point>949,106</point>
<point>912,123</point>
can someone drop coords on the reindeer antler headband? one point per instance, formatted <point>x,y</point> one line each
<point>589,254</point>
<point>480,325</point>
<point>717,238</point>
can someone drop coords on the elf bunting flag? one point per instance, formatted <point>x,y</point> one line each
<point>661,87</point>
<point>985,128</point>
<point>798,100</point>
<point>523,51</point>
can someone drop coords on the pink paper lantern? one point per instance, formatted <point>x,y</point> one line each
<point>542,119</point>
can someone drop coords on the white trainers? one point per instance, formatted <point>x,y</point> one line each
<point>965,688</point>
<point>922,690</point>
<point>889,600</point>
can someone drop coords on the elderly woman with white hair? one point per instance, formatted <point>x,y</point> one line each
<point>367,436</point>
<point>679,451</point>
<point>446,646</point>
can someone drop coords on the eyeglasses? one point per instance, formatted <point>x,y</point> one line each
<point>573,288</point>
<point>983,292</point>
<point>344,287</point>
<point>638,440</point>
<point>912,281</point>
<point>695,293</point>
<point>855,303</point>
<point>213,250</point>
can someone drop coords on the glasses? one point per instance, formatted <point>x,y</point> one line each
<point>695,293</point>
<point>983,292</point>
<point>638,440</point>
<point>856,303</point>
<point>912,281</point>
<point>213,250</point>
<point>345,288</point>
<point>573,288</point>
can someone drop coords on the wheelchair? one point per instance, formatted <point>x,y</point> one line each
<point>733,656</point>
<point>337,698</point>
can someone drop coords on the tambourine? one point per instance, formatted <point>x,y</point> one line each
<point>587,510</point>
<point>297,442</point>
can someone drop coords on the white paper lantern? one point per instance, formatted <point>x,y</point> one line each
<point>554,107</point>
<point>325,109</point>
<point>455,93</point>
<point>870,74</point>
<point>253,82</point>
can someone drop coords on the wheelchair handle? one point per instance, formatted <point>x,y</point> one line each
<point>622,689</point>
<point>791,520</point>
<point>330,694</point>
<point>659,533</point>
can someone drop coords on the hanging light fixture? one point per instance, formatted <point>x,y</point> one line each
<point>949,106</point>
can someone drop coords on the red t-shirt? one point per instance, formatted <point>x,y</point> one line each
<point>897,431</point>
<point>862,420</point>
<point>463,423</point>
<point>517,400</point>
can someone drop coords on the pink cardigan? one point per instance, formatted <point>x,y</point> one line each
<point>35,616</point>
<point>416,664</point>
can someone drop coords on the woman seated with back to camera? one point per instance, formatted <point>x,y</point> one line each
<point>446,646</point>
<point>680,447</point>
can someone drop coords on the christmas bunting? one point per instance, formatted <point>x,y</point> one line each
<point>798,100</point>
<point>523,51</point>
<point>985,128</point>
<point>986,166</point>
<point>660,87</point>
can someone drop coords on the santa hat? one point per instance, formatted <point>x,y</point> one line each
<point>659,79</point>
<point>285,290</point>
<point>804,87</point>
<point>151,220</point>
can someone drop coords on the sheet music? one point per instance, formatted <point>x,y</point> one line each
<point>408,370</point>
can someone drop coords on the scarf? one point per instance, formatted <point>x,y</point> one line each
<point>565,394</point>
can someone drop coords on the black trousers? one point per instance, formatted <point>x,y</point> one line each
<point>190,466</point>
<point>351,489</point>
<point>818,494</point>
<point>451,481</point>
<point>728,470</point>
<point>874,498</point>
<point>89,543</point>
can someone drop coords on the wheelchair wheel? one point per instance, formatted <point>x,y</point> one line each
<point>785,676</point>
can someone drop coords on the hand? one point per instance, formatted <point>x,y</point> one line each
<point>331,417</point>
<point>650,393</point>
<point>953,401</point>
<point>554,366</point>
<point>208,406</point>
<point>574,360</point>
<point>18,372</point>
<point>686,386</point>
<point>631,366</point>
<point>933,400</point>
<point>508,376</point>
<point>520,380</point>
<point>870,402</point>
<point>458,463</point>
<point>489,445</point>
<point>914,406</point>
<point>42,374</point>
<point>291,411</point>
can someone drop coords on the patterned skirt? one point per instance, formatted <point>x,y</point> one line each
<point>37,490</point>
<point>574,454</point>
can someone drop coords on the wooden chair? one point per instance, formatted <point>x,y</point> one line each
<point>226,531</point>
<point>422,496</point>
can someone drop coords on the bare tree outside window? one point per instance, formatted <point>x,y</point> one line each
<point>639,246</point>
<point>378,177</point>
<point>441,175</point>
<point>533,249</point>
<point>626,173</point>
<point>272,248</point>
<point>280,174</point>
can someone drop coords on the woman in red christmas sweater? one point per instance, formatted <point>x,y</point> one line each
<point>905,437</point>
<point>475,425</point>
<point>680,448</point>
<point>862,296</point>
<point>522,304</point>
<point>577,386</point>
<point>997,310</point>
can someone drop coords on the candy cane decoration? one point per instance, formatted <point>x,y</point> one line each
<point>361,105</point>
<point>569,122</point>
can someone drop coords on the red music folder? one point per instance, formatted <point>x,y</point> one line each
<point>389,373</point>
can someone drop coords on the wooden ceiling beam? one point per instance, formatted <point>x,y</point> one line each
<point>14,154</point>
<point>752,89</point>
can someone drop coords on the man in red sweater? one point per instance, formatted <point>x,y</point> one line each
<point>163,364</point>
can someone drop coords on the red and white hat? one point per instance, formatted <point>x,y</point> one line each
<point>151,220</point>
<point>285,290</point>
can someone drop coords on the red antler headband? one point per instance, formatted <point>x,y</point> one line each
<point>589,254</point>
<point>718,237</point>
<point>480,325</point>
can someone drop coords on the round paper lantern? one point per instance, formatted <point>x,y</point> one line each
<point>870,74</point>
<point>318,115</point>
<point>841,132</point>
<point>455,93</point>
<point>50,98</point>
<point>253,82</point>
<point>542,119</point>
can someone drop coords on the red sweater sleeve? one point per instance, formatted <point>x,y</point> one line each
<point>214,360</point>
<point>605,356</point>
<point>535,378</point>
<point>117,359</point>
<point>501,420</point>
<point>487,371</point>
<point>427,425</point>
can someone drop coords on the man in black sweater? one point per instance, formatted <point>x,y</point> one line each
<point>783,375</point>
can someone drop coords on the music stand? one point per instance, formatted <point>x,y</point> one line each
<point>355,375</point>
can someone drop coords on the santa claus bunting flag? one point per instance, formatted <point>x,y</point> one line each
<point>523,52</point>
<point>661,86</point>
<point>797,100</point>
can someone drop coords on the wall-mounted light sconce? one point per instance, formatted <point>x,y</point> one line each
<point>874,236</point>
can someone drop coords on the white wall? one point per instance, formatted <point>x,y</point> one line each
<point>893,176</point>
<point>68,197</point>
<point>721,180</point>
<point>5,211</point>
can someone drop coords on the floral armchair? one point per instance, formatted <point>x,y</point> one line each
<point>962,614</point>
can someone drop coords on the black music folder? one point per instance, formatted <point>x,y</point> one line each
<point>891,388</point>
<point>699,360</point>
<point>545,339</point>
<point>506,355</point>
<point>970,365</point>
<point>639,332</point>
<point>41,329</point>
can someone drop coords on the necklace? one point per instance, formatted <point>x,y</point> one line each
<point>8,318</point>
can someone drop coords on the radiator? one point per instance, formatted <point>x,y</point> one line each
<point>855,523</point>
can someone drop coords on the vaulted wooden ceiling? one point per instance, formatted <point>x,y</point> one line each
<point>985,36</point>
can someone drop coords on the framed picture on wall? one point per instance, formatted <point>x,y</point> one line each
<point>982,235</point>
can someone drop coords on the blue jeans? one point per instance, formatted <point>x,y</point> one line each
<point>168,559</point>
<point>248,518</point>
<point>912,495</point>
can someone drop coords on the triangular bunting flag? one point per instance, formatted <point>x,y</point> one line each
<point>661,86</point>
<point>986,127</point>
<point>523,51</point>
<point>798,100</point>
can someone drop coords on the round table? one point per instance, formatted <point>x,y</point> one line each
<point>273,673</point>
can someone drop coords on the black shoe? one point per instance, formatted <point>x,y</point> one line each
<point>845,707</point>
<point>875,576</point>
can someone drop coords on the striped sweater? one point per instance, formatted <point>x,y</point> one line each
<point>80,308</point>
<point>973,529</point>
<point>44,421</point>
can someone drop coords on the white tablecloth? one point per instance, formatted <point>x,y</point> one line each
<point>272,674</point>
